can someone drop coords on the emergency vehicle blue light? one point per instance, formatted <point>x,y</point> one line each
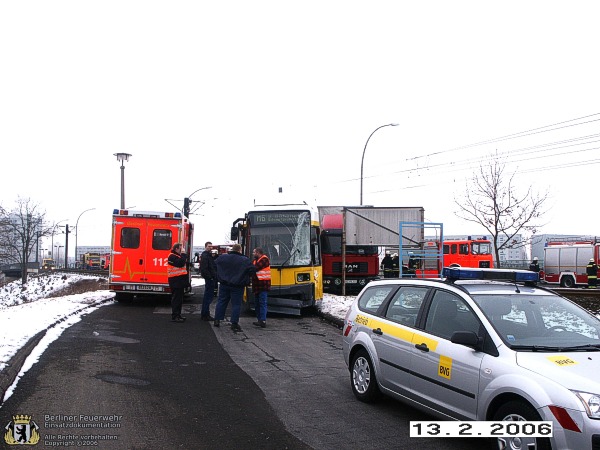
<point>178,215</point>
<point>466,273</point>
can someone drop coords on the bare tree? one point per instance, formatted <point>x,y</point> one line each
<point>492,201</point>
<point>21,229</point>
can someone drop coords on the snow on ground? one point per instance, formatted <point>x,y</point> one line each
<point>27,310</point>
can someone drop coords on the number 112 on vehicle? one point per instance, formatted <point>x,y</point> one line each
<point>480,429</point>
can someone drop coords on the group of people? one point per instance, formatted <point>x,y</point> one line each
<point>391,265</point>
<point>231,272</point>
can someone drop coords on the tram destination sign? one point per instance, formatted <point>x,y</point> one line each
<point>269,218</point>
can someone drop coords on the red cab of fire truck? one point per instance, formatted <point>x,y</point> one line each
<point>141,243</point>
<point>469,252</point>
<point>362,261</point>
<point>565,261</point>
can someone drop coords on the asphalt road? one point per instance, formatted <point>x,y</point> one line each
<point>154,384</point>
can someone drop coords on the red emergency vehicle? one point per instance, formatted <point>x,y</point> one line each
<point>141,244</point>
<point>565,261</point>
<point>457,252</point>
<point>362,261</point>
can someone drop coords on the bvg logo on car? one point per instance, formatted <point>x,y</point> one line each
<point>445,368</point>
<point>20,431</point>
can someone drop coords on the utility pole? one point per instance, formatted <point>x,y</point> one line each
<point>66,245</point>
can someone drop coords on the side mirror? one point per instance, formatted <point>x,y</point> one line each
<point>235,233</point>
<point>466,338</point>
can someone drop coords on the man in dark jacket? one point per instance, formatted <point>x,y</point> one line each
<point>387,265</point>
<point>178,280</point>
<point>233,270</point>
<point>208,271</point>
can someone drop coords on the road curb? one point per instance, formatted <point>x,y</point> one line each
<point>9,374</point>
<point>331,319</point>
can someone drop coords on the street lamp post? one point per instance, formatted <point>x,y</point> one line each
<point>122,157</point>
<point>363,157</point>
<point>77,232</point>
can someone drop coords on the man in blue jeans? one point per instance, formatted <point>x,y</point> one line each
<point>233,271</point>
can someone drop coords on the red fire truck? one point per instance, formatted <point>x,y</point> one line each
<point>426,262</point>
<point>141,243</point>
<point>362,261</point>
<point>565,261</point>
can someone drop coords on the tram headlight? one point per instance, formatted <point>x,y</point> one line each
<point>302,277</point>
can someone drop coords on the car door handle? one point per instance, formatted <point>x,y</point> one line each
<point>378,331</point>
<point>423,347</point>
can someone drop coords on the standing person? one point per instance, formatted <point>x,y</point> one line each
<point>534,266</point>
<point>208,271</point>
<point>261,284</point>
<point>215,255</point>
<point>387,265</point>
<point>196,260</point>
<point>592,274</point>
<point>395,266</point>
<point>178,280</point>
<point>233,270</point>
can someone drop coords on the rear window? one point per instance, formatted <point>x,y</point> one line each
<point>373,297</point>
<point>161,240</point>
<point>130,237</point>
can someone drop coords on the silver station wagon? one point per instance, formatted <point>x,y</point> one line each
<point>470,348</point>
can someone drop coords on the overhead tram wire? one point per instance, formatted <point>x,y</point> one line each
<point>477,161</point>
<point>457,166</point>
<point>514,135</point>
<point>480,159</point>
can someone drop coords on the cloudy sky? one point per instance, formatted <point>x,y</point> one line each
<point>229,101</point>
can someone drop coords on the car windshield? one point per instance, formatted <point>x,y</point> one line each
<point>541,322</point>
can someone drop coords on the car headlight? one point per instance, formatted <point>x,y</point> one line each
<point>591,402</point>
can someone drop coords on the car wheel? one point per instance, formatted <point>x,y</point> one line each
<point>520,411</point>
<point>362,377</point>
<point>568,282</point>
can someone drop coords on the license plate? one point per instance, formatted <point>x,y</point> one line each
<point>150,288</point>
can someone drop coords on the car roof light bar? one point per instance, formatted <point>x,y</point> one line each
<point>463,273</point>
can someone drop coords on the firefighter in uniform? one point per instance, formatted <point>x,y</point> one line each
<point>261,284</point>
<point>387,266</point>
<point>395,266</point>
<point>535,265</point>
<point>178,280</point>
<point>592,274</point>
